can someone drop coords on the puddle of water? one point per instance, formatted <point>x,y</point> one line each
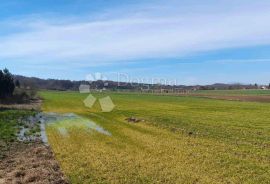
<point>94,126</point>
<point>63,122</point>
<point>43,134</point>
<point>21,135</point>
<point>28,130</point>
<point>63,131</point>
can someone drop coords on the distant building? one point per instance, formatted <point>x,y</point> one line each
<point>263,87</point>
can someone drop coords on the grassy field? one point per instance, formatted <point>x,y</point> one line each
<point>181,140</point>
<point>254,92</point>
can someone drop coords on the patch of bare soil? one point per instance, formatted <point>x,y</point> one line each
<point>30,163</point>
<point>251,98</point>
<point>33,105</point>
<point>134,120</point>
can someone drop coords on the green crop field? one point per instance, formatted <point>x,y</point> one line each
<point>179,140</point>
<point>253,92</point>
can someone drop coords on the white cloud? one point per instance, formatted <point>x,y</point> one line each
<point>171,31</point>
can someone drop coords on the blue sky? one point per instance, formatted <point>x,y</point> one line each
<point>188,41</point>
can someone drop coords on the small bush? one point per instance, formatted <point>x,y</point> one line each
<point>20,96</point>
<point>9,94</point>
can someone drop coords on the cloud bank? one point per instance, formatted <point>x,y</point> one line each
<point>141,32</point>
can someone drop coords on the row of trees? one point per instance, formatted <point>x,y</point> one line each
<point>7,85</point>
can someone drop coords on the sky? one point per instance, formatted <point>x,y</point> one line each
<point>180,41</point>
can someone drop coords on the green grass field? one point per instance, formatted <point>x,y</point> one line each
<point>181,140</point>
<point>253,92</point>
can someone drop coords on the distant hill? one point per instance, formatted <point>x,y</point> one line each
<point>50,84</point>
<point>63,85</point>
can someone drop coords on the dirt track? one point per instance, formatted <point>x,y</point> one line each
<point>30,163</point>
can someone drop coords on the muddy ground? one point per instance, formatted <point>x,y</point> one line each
<point>30,163</point>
